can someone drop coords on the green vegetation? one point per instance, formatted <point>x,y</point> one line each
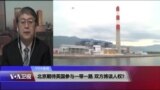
<point>152,52</point>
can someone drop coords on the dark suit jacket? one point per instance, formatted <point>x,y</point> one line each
<point>12,56</point>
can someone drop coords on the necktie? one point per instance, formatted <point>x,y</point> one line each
<point>26,57</point>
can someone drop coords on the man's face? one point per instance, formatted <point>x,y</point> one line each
<point>26,26</point>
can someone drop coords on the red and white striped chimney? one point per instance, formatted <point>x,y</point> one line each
<point>118,43</point>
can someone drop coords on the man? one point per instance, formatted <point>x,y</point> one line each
<point>26,49</point>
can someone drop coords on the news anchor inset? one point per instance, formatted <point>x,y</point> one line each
<point>26,49</point>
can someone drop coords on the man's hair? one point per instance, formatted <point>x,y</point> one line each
<point>27,10</point>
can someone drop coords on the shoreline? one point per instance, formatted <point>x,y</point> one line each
<point>103,56</point>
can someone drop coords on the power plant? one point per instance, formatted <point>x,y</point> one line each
<point>97,49</point>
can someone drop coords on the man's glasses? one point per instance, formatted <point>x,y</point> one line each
<point>30,22</point>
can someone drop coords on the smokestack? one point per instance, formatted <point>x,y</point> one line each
<point>118,43</point>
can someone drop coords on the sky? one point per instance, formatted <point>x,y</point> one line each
<point>45,6</point>
<point>139,20</point>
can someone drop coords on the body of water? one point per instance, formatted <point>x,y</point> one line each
<point>136,61</point>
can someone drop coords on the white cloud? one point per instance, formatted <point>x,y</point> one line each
<point>143,42</point>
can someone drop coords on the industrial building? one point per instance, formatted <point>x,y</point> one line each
<point>73,49</point>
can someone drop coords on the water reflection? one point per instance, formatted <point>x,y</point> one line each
<point>137,61</point>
